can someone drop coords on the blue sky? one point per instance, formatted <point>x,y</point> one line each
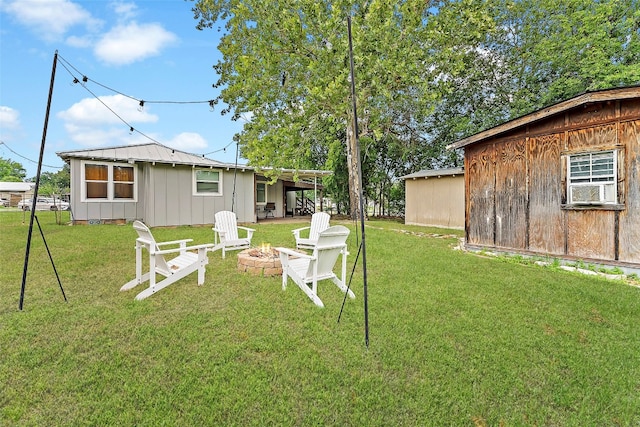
<point>145,49</point>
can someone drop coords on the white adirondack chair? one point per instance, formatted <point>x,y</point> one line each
<point>226,230</point>
<point>307,270</point>
<point>319,222</point>
<point>186,262</point>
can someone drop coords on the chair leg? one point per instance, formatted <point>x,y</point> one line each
<point>312,295</point>
<point>202,262</point>
<point>135,282</point>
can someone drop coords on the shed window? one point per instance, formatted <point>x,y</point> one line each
<point>108,181</point>
<point>207,181</point>
<point>593,178</point>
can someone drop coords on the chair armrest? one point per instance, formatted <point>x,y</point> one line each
<point>188,248</point>
<point>291,252</point>
<point>174,242</point>
<point>248,230</point>
<point>297,231</point>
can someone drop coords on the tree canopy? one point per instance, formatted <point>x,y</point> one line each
<point>426,72</point>
<point>11,171</point>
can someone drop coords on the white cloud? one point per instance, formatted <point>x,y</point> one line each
<point>125,11</point>
<point>95,137</point>
<point>125,44</point>
<point>50,19</point>
<point>107,121</point>
<point>188,141</point>
<point>107,110</point>
<point>9,118</point>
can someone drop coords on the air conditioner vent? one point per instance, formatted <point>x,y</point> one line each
<point>593,194</point>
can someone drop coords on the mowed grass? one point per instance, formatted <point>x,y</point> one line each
<point>455,339</point>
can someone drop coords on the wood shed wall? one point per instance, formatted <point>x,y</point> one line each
<point>516,190</point>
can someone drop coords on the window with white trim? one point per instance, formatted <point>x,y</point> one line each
<point>109,181</point>
<point>207,182</point>
<point>592,178</point>
<point>261,193</point>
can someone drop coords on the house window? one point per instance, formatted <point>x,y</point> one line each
<point>108,181</point>
<point>261,193</point>
<point>207,181</point>
<point>96,178</point>
<point>123,182</point>
<point>592,178</point>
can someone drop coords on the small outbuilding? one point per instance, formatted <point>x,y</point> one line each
<point>166,187</point>
<point>435,198</point>
<point>562,182</point>
<point>16,191</point>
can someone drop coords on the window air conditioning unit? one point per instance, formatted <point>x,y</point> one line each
<point>593,194</point>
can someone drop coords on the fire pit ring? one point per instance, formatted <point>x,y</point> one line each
<point>263,261</point>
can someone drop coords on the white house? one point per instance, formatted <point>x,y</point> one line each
<point>165,187</point>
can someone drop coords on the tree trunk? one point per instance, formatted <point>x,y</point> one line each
<point>352,166</point>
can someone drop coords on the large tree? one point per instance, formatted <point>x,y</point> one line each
<point>11,171</point>
<point>427,73</point>
<point>539,52</point>
<point>286,64</point>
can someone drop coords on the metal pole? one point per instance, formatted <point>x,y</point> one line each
<point>361,197</point>
<point>235,176</point>
<point>315,193</point>
<point>35,190</point>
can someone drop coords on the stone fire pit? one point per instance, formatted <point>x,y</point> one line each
<point>262,261</point>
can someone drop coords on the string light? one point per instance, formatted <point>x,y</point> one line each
<point>68,66</point>
<point>224,149</point>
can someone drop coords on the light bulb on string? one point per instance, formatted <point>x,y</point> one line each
<point>131,130</point>
<point>211,104</point>
<point>141,106</point>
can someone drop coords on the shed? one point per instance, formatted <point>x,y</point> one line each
<point>563,181</point>
<point>16,191</point>
<point>166,187</point>
<point>435,198</point>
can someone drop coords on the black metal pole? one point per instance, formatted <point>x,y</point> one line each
<point>35,190</point>
<point>51,259</point>
<point>235,174</point>
<point>360,195</point>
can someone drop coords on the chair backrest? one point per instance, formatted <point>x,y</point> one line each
<point>145,236</point>
<point>226,221</point>
<point>319,223</point>
<point>330,243</point>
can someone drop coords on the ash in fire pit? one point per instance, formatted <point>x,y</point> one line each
<point>261,261</point>
<point>264,251</point>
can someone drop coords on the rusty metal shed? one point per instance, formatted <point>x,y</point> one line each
<point>563,181</point>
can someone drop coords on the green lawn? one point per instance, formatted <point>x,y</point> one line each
<point>455,339</point>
